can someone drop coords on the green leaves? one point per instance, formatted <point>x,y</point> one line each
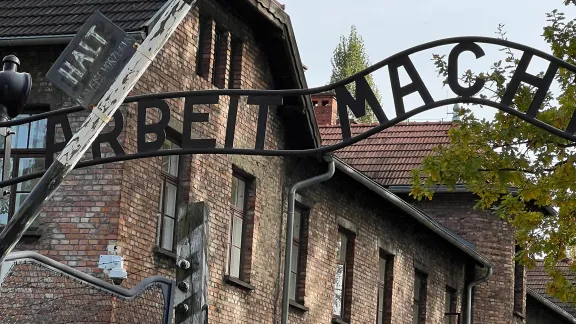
<point>350,58</point>
<point>517,170</point>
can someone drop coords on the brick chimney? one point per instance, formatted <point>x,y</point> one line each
<point>325,108</point>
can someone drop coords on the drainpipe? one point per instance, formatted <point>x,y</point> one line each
<point>469,294</point>
<point>290,230</point>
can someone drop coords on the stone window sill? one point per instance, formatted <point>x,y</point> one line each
<point>338,320</point>
<point>298,306</point>
<point>518,314</point>
<point>239,283</point>
<point>164,253</point>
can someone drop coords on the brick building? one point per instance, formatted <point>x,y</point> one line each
<point>388,159</point>
<point>362,253</point>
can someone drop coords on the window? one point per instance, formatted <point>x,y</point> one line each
<point>237,206</point>
<point>219,50</point>
<point>26,156</point>
<point>343,282</point>
<point>419,313</point>
<point>385,269</point>
<point>325,102</point>
<point>203,46</point>
<point>450,316</point>
<point>168,198</point>
<point>234,80</point>
<point>299,252</point>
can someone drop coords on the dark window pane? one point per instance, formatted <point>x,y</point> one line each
<point>342,241</point>
<point>38,134</point>
<point>27,166</point>
<point>170,200</point>
<point>382,269</point>
<point>170,163</point>
<point>4,209</point>
<point>380,304</point>
<point>168,233</point>
<point>297,223</point>
<point>20,139</point>
<point>20,197</point>
<point>238,193</point>
<point>235,262</point>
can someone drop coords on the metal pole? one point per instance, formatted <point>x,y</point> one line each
<point>169,20</point>
<point>290,230</point>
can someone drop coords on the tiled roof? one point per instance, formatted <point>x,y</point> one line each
<point>388,157</point>
<point>64,17</point>
<point>538,277</point>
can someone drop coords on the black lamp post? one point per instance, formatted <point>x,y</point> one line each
<point>14,91</point>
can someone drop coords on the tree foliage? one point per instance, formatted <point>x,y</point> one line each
<point>350,58</point>
<point>524,174</point>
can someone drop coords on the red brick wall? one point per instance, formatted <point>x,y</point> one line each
<point>119,202</point>
<point>494,300</point>
<point>376,224</point>
<point>82,216</point>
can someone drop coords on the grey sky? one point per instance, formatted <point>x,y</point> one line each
<point>388,27</point>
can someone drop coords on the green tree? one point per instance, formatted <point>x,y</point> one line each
<point>518,170</point>
<point>350,58</point>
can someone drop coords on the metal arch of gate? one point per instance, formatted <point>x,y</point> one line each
<point>37,289</point>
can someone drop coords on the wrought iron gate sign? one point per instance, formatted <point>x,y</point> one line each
<point>92,60</point>
<point>264,99</point>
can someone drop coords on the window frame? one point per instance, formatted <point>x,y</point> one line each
<point>165,178</point>
<point>422,278</point>
<point>17,154</point>
<point>219,37</point>
<point>385,285</point>
<point>348,275</point>
<point>234,211</point>
<point>450,302</point>
<point>203,32</point>
<point>302,243</point>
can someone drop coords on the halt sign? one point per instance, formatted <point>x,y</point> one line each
<point>93,60</point>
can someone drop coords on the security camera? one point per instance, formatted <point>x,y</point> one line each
<point>113,266</point>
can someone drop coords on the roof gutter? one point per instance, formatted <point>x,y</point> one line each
<point>557,309</point>
<point>409,209</point>
<point>457,188</point>
<point>51,39</point>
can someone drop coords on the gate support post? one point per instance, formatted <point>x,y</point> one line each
<point>191,295</point>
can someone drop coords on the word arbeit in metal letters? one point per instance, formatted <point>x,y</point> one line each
<point>159,128</point>
<point>92,60</point>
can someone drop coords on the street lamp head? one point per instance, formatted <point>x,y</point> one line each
<point>14,88</point>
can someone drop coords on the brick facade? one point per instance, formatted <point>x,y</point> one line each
<point>118,203</point>
<point>494,300</point>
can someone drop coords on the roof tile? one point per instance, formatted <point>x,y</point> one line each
<point>537,279</point>
<point>389,157</point>
<point>64,17</point>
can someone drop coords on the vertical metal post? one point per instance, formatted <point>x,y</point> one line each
<point>102,113</point>
<point>191,295</point>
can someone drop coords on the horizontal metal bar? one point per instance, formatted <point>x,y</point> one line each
<point>127,294</point>
<point>315,151</point>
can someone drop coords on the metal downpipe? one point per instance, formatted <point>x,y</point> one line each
<point>290,230</point>
<point>469,294</point>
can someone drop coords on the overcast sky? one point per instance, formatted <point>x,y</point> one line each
<point>388,27</point>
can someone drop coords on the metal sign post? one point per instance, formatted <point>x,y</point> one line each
<point>102,112</point>
<point>191,297</point>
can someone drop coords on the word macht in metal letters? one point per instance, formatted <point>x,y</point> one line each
<point>92,60</point>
